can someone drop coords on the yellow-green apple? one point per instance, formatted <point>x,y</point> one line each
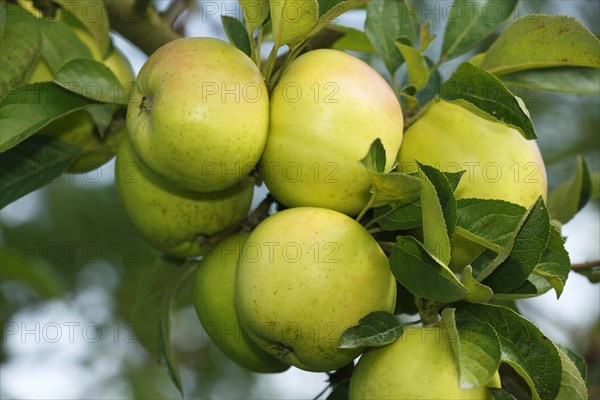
<point>499,162</point>
<point>199,114</point>
<point>326,111</point>
<point>173,220</point>
<point>214,301</point>
<point>306,275</point>
<point>419,365</point>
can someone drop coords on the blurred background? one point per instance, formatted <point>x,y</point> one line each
<point>71,262</point>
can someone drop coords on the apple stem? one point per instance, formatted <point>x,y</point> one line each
<point>321,393</point>
<point>375,230</point>
<point>366,208</point>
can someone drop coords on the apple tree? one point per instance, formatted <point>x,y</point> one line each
<point>373,202</point>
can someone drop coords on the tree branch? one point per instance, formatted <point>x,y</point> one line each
<point>585,265</point>
<point>139,22</point>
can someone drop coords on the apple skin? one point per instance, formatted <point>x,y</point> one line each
<point>198,115</point>
<point>419,365</point>
<point>326,112</point>
<point>500,162</point>
<point>214,302</point>
<point>306,275</point>
<point>175,221</point>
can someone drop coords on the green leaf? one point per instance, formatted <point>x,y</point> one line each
<point>418,70</point>
<point>576,80</point>
<point>487,261</point>
<point>524,347</point>
<point>393,187</point>
<point>375,158</point>
<point>500,394</point>
<point>479,293</point>
<point>554,265</point>
<point>578,360</point>
<point>476,347</point>
<point>92,16</point>
<point>526,251</point>
<point>30,107</point>
<point>341,391</point>
<point>61,44</point>
<point>31,165</point>
<point>406,214</point>
<point>488,221</point>
<point>438,208</point>
<point>331,9</point>
<point>293,20</point>
<point>566,200</point>
<point>401,216</point>
<point>471,22</point>
<point>376,329</point>
<point>236,33</point>
<point>425,35</point>
<point>433,86</point>
<point>91,79</point>
<point>386,22</point>
<point>151,312</point>
<point>485,95</point>
<point>102,114</point>
<point>572,385</point>
<point>19,48</point>
<point>540,41</point>
<point>353,40</point>
<point>454,178</point>
<point>534,286</point>
<point>255,13</point>
<point>422,275</point>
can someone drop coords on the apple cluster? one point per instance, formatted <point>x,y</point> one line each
<point>202,126</point>
<point>199,122</point>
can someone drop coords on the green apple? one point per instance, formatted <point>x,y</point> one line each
<point>499,162</point>
<point>306,275</point>
<point>326,111</point>
<point>214,301</point>
<point>176,221</point>
<point>419,365</point>
<point>199,114</point>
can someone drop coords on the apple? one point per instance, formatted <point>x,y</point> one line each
<point>214,302</point>
<point>306,275</point>
<point>176,221</point>
<point>326,111</point>
<point>499,162</point>
<point>420,365</point>
<point>198,115</point>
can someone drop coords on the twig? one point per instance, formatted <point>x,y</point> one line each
<point>175,10</point>
<point>585,265</point>
<point>134,20</point>
<point>259,214</point>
